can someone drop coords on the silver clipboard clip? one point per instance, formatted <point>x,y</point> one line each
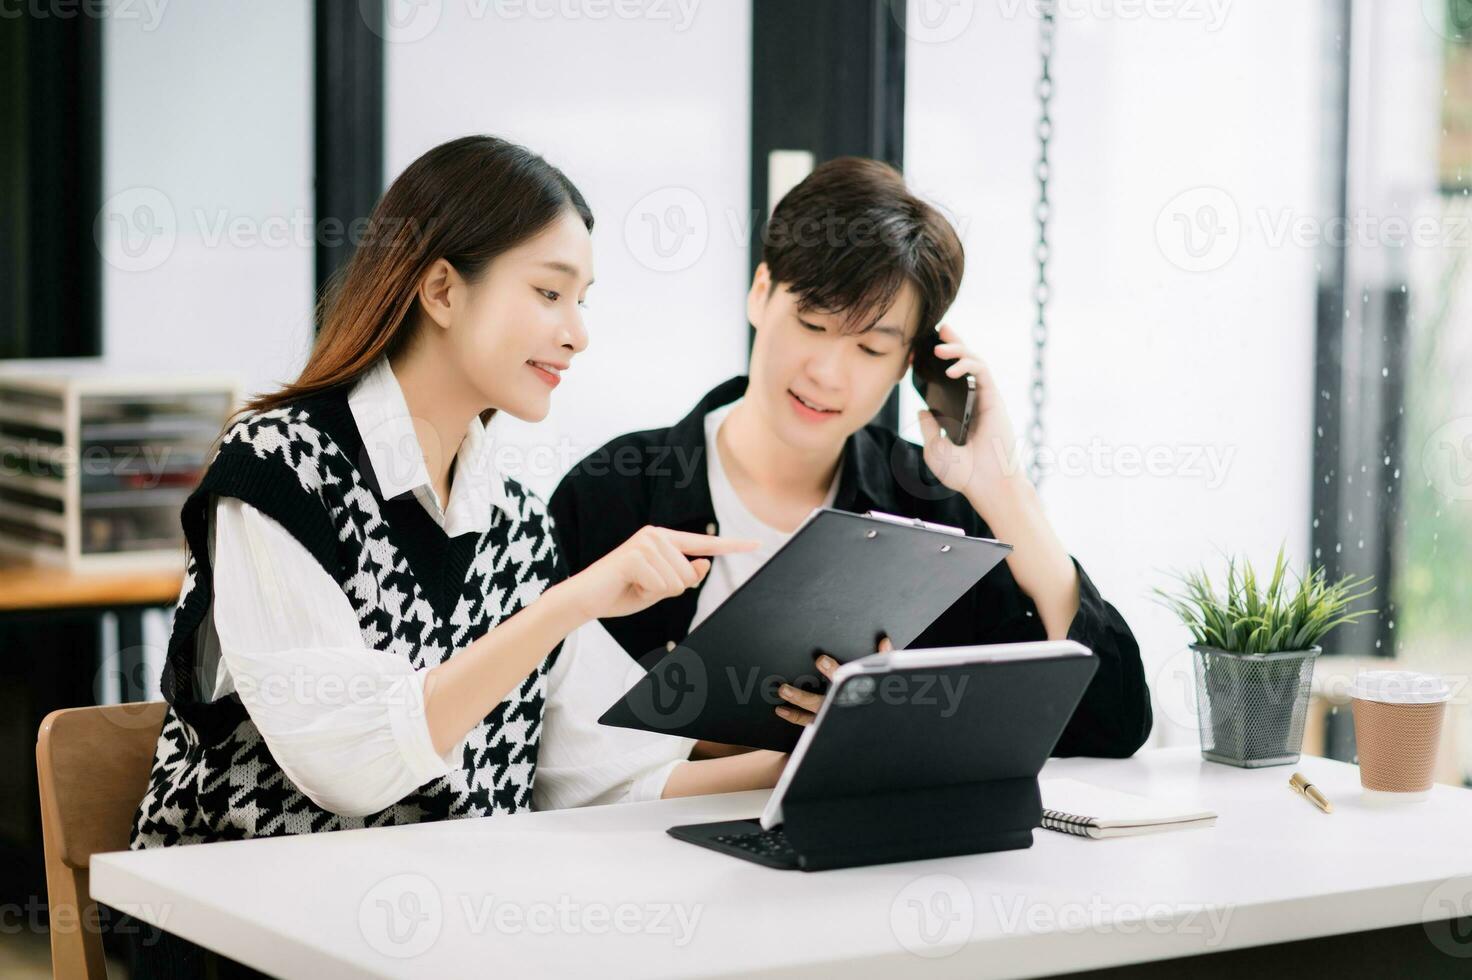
<point>915,522</point>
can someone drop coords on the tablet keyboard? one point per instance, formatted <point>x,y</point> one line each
<point>766,843</point>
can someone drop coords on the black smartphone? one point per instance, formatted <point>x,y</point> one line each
<point>952,400</point>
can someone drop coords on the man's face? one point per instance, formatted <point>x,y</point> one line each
<point>812,383</point>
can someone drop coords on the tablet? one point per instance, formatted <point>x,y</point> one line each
<point>914,755</point>
<point>836,586</point>
<point>973,713</point>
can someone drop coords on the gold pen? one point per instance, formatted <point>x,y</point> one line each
<point>1300,785</point>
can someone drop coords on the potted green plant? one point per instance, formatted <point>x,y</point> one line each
<point>1254,654</point>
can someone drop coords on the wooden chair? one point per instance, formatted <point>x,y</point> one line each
<point>92,769</point>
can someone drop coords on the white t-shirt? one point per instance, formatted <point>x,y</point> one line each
<point>734,520</point>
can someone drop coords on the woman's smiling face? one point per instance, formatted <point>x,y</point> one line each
<point>517,327</point>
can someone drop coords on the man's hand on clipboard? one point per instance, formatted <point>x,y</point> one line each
<point>653,564</point>
<point>802,706</point>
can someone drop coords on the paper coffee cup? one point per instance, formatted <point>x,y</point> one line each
<point>1397,728</point>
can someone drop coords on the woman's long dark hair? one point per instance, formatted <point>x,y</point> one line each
<point>465,201</point>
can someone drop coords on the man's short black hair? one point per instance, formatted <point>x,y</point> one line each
<point>849,237</point>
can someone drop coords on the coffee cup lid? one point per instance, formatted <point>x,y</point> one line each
<point>1400,687</point>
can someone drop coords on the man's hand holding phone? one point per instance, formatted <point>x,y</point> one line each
<point>987,458</point>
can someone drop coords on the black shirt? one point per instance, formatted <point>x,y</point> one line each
<point>658,476</point>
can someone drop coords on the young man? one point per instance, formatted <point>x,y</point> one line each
<point>855,275</point>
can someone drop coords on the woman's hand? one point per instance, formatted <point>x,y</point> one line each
<point>989,457</point>
<point>802,706</point>
<point>654,564</point>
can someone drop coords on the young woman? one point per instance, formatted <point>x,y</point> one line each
<point>371,629</point>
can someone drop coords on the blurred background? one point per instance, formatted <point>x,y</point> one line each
<point>1235,235</point>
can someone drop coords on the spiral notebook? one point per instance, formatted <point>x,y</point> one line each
<point>1074,807</point>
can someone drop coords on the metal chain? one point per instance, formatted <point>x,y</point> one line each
<point>1035,435</point>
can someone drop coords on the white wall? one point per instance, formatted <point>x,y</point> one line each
<point>208,120</point>
<point>648,115</point>
<point>205,228</point>
<point>1156,120</point>
<point>208,227</point>
<point>207,164</point>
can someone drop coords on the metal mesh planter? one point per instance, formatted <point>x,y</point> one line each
<point>1252,706</point>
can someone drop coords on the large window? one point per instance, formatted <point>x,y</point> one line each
<point>1408,341</point>
<point>1180,355</point>
<point>1434,575</point>
<point>1260,274</point>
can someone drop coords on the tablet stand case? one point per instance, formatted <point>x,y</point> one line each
<point>908,825</point>
<point>898,779</point>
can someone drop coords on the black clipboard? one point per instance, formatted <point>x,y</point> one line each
<point>838,584</point>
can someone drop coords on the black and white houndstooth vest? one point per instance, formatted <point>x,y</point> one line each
<point>418,594</point>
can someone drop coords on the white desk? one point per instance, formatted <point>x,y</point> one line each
<point>602,890</point>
